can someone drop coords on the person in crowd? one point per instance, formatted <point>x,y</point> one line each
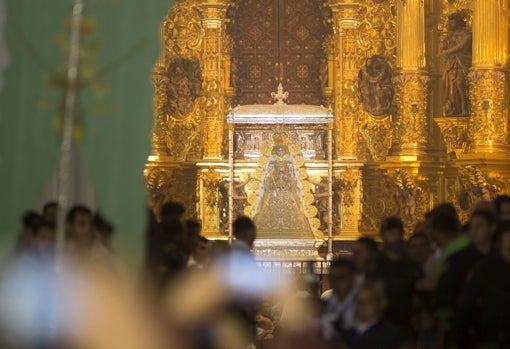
<point>193,230</point>
<point>245,233</point>
<point>458,267</point>
<point>363,250</point>
<point>171,211</point>
<point>84,246</point>
<point>80,225</point>
<point>483,314</point>
<point>30,224</point>
<point>443,227</point>
<point>372,329</point>
<point>502,206</point>
<point>199,255</point>
<point>49,212</point>
<point>397,272</point>
<point>339,309</point>
<point>421,250</point>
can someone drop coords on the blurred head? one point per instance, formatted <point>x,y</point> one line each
<point>341,277</point>
<point>31,222</point>
<point>171,211</point>
<point>502,205</point>
<point>504,240</point>
<point>392,233</point>
<point>244,229</point>
<point>79,222</point>
<point>201,249</point>
<point>442,224</point>
<point>44,241</point>
<point>49,212</point>
<point>363,250</point>
<point>193,227</point>
<point>370,302</point>
<point>482,226</point>
<point>419,248</point>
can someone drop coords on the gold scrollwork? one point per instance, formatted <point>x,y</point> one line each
<point>377,135</point>
<point>454,131</point>
<point>182,30</point>
<point>378,200</point>
<point>377,29</point>
<point>411,99</point>
<point>489,122</point>
<point>158,181</point>
<point>211,180</point>
<point>478,184</point>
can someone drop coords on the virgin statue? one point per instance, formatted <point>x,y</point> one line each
<point>280,210</point>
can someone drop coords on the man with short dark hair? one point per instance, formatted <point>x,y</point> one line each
<point>339,300</point>
<point>372,330</point>
<point>363,250</point>
<point>502,205</point>
<point>244,231</point>
<point>171,210</point>
<point>483,315</point>
<point>443,227</point>
<point>398,273</point>
<point>199,253</point>
<point>459,265</point>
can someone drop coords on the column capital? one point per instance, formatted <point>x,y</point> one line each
<point>344,10</point>
<point>213,12</point>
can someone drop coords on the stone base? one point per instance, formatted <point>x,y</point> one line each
<point>289,249</point>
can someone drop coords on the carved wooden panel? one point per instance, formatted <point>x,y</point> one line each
<point>278,40</point>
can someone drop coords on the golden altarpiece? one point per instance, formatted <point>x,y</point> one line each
<point>416,112</point>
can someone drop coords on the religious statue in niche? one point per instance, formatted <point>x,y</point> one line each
<point>456,48</point>
<point>184,86</point>
<point>280,207</point>
<point>375,86</point>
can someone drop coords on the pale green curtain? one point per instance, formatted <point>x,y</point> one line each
<point>116,110</point>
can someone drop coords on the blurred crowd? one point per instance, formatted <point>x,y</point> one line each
<point>442,285</point>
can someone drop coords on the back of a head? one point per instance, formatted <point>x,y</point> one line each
<point>391,223</point>
<point>31,220</point>
<point>342,263</point>
<point>243,226</point>
<point>419,235</point>
<point>193,227</point>
<point>444,219</point>
<point>172,210</point>
<point>500,201</point>
<point>369,243</point>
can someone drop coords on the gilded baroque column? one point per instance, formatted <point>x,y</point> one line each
<point>488,126</point>
<point>213,18</point>
<point>411,83</point>
<point>345,70</point>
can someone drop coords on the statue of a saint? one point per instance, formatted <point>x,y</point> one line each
<point>375,87</point>
<point>280,208</point>
<point>456,47</point>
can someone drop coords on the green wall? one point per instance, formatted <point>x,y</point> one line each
<point>116,125</point>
